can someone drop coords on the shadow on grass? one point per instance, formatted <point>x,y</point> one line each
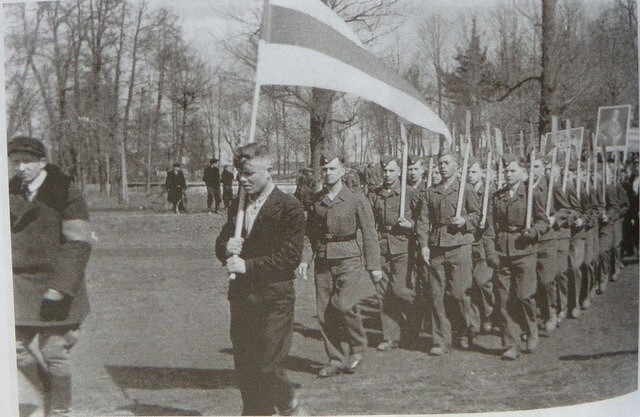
<point>158,378</point>
<point>597,355</point>
<point>156,410</point>
<point>293,363</point>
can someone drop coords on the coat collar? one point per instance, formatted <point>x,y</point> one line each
<point>453,188</point>
<point>341,196</point>
<point>271,205</point>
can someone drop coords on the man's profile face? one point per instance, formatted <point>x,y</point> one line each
<point>255,174</point>
<point>474,173</point>
<point>415,172</point>
<point>538,168</point>
<point>436,178</point>
<point>390,173</point>
<point>333,172</point>
<point>448,166</point>
<point>27,167</point>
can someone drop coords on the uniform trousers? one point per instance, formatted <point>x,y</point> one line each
<point>576,259</point>
<point>482,294</point>
<point>546,272</point>
<point>423,295</point>
<point>450,283</point>
<point>52,375</point>
<point>396,296</point>
<point>338,291</point>
<point>213,194</point>
<point>516,287</point>
<point>616,250</point>
<point>562,275</point>
<point>606,245</point>
<point>261,333</point>
<point>588,273</point>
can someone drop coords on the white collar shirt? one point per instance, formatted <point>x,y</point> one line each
<point>253,207</point>
<point>33,187</point>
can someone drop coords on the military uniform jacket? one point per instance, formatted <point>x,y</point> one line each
<point>563,212</point>
<point>386,211</point>
<point>478,248</point>
<point>580,208</point>
<point>441,208</point>
<point>50,246</point>
<point>332,227</point>
<point>508,221</point>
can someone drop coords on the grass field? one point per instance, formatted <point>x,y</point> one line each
<point>157,343</point>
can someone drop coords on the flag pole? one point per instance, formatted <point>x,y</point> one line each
<point>529,217</point>
<point>405,158</point>
<point>430,173</point>
<point>463,177</point>
<point>485,197</point>
<point>252,130</point>
<point>552,176</point>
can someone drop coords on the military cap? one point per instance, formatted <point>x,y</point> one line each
<point>413,159</point>
<point>213,160</point>
<point>28,145</point>
<point>387,159</point>
<point>328,156</point>
<point>474,160</point>
<point>176,165</point>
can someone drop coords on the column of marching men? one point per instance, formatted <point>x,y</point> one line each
<point>484,268</point>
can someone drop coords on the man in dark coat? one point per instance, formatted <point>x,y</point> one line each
<point>50,245</point>
<point>227,185</point>
<point>176,186</point>
<point>211,179</point>
<point>262,295</point>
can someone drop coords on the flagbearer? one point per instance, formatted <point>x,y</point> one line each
<point>449,257</point>
<point>333,222</point>
<point>396,232</point>
<point>482,295</point>
<point>513,252</point>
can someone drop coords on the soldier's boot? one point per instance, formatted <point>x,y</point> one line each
<point>59,394</point>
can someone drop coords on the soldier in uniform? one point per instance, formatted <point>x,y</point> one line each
<point>482,295</point>
<point>211,178</point>
<point>512,250</point>
<point>607,217</point>
<point>396,233</point>
<point>333,223</point>
<point>50,245</point>
<point>448,255</point>
<point>622,205</point>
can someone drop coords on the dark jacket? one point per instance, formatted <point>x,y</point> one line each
<point>211,176</point>
<point>50,246</point>
<point>227,179</point>
<point>273,249</point>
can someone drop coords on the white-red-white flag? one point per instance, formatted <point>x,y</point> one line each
<point>305,43</point>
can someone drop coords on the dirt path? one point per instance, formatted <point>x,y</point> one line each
<point>157,341</point>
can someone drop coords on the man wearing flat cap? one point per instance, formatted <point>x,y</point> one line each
<point>211,178</point>
<point>51,241</point>
<point>449,257</point>
<point>396,234</point>
<point>334,220</point>
<point>512,249</point>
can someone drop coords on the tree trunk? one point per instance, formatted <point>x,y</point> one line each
<point>319,126</point>
<point>546,85</point>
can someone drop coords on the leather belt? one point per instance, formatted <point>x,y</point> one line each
<point>329,238</point>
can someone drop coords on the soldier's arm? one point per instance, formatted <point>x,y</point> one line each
<point>421,224</point>
<point>473,209</point>
<point>227,232</point>
<point>76,240</point>
<point>539,216</point>
<point>564,212</point>
<point>311,239</point>
<point>364,219</point>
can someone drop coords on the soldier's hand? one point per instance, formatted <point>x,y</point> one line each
<point>376,276</point>
<point>426,255</point>
<point>404,223</point>
<point>552,220</point>
<point>55,306</point>
<point>236,265</point>
<point>458,221</point>
<point>234,246</point>
<point>301,271</point>
<point>579,222</point>
<point>529,233</point>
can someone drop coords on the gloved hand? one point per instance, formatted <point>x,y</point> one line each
<point>55,310</point>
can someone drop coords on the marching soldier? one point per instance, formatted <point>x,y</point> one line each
<point>622,205</point>
<point>607,217</point>
<point>511,248</point>
<point>334,220</point>
<point>449,257</point>
<point>396,233</point>
<point>482,295</point>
